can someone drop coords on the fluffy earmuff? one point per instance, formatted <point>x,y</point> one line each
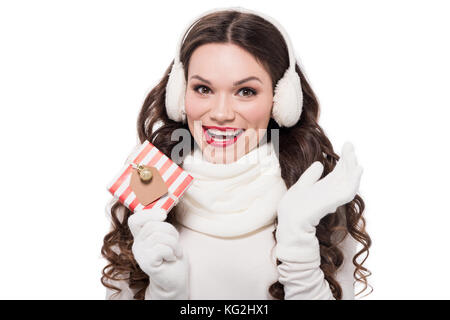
<point>287,99</point>
<point>175,91</point>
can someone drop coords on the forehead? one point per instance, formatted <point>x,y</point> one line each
<point>226,62</point>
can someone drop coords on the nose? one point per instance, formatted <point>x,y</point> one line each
<point>222,109</point>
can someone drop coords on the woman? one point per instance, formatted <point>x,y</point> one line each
<point>273,211</point>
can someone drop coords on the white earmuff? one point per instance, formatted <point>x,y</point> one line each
<point>288,96</point>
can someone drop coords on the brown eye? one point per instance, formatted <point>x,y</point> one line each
<point>201,89</point>
<point>248,92</point>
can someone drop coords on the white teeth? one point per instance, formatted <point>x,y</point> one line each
<point>222,134</point>
<point>221,140</point>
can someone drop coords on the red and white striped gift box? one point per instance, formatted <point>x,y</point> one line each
<point>176,179</point>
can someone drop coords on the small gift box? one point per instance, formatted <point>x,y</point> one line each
<point>151,180</point>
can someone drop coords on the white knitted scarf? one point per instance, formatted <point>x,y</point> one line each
<point>233,199</point>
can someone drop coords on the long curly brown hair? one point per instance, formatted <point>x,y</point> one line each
<point>299,146</point>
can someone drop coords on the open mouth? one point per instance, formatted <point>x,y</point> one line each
<point>220,137</point>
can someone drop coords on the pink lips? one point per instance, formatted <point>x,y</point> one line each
<point>210,140</point>
<point>220,128</point>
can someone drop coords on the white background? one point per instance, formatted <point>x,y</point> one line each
<point>73,76</point>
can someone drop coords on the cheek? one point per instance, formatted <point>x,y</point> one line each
<point>195,107</point>
<point>257,114</point>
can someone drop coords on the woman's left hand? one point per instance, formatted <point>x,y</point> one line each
<point>310,199</point>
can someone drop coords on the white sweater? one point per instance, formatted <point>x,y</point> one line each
<point>233,268</point>
<point>231,251</point>
<point>242,267</point>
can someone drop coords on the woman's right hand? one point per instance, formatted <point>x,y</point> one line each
<point>159,254</point>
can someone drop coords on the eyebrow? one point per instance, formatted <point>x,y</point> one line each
<point>234,84</point>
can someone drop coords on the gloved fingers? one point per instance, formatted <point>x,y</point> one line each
<point>339,167</point>
<point>159,253</point>
<point>156,226</point>
<point>353,169</point>
<point>160,238</point>
<point>344,180</point>
<point>310,176</point>
<point>346,161</point>
<point>140,217</point>
<point>351,160</point>
<point>351,185</point>
<point>347,147</point>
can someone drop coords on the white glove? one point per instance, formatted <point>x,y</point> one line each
<point>300,211</point>
<point>157,251</point>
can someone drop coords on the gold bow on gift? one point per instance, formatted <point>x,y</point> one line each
<point>147,183</point>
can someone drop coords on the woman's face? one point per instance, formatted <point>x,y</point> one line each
<point>227,89</point>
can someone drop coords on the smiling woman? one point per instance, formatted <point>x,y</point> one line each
<point>229,105</point>
<point>285,226</point>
